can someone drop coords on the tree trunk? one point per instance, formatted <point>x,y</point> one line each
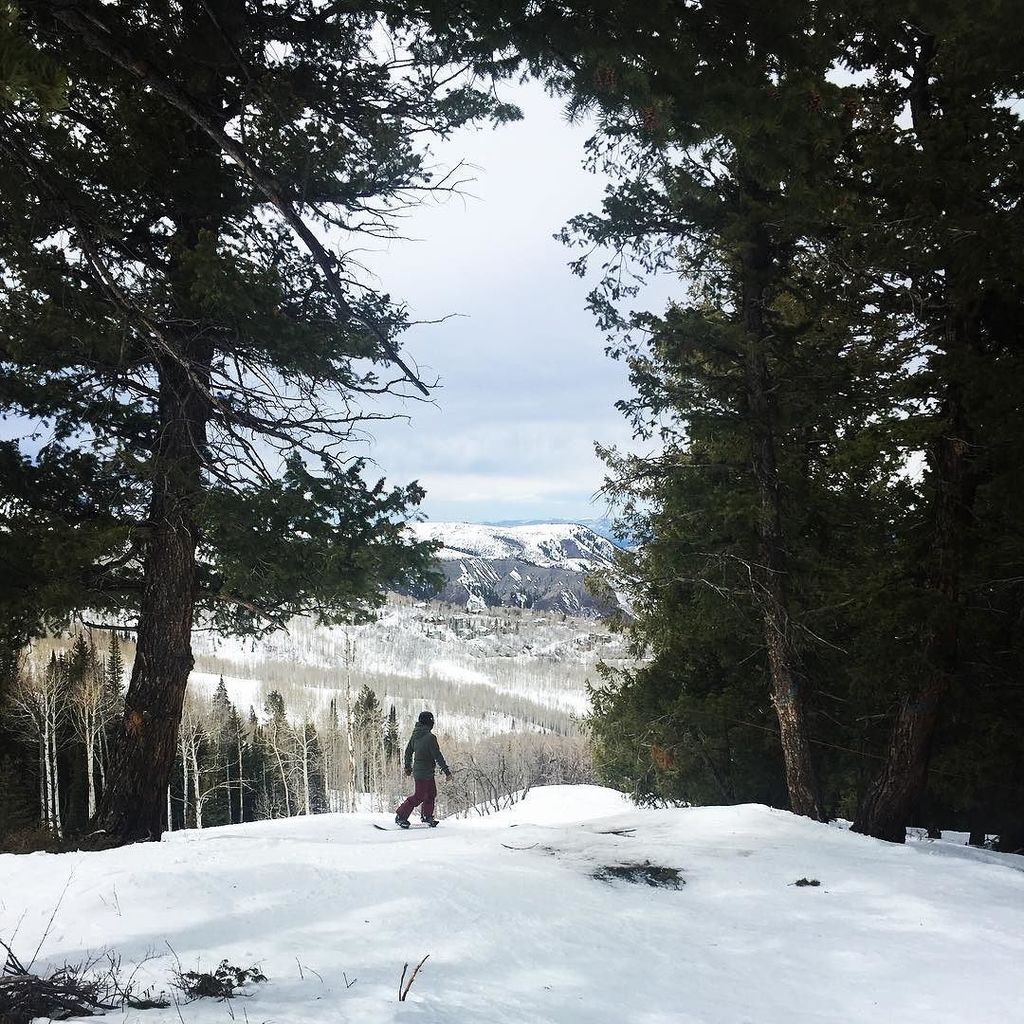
<point>44,779</point>
<point>102,759</point>
<point>227,785</point>
<point>890,800</point>
<point>280,768</point>
<point>132,808</point>
<point>787,695</point>
<point>184,783</point>
<point>197,783</point>
<point>55,778</point>
<point>90,739</point>
<point>241,806</point>
<point>305,769</point>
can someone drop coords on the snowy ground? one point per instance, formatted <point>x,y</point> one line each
<point>929,932</point>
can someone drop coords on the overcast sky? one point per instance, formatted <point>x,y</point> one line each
<point>525,385</point>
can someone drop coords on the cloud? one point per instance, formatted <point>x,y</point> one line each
<point>526,388</point>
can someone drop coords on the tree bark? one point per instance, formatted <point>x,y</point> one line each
<point>890,800</point>
<point>788,697</point>
<point>133,808</point>
<point>90,739</point>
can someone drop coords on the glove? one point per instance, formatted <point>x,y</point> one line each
<point>408,771</point>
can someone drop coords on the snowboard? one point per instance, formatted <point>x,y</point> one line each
<point>397,828</point>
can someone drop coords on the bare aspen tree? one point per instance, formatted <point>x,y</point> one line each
<point>350,657</point>
<point>241,773</point>
<point>190,738</point>
<point>304,744</point>
<point>90,713</point>
<point>38,701</point>
<point>276,736</point>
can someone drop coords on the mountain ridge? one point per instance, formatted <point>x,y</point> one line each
<point>541,566</point>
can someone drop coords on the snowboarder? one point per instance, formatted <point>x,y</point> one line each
<point>421,755</point>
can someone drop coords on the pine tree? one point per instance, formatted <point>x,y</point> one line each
<point>368,725</point>
<point>193,325</point>
<point>392,748</point>
<point>947,187</point>
<point>115,668</point>
<point>720,126</point>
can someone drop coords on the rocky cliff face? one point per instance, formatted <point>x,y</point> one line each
<point>542,566</point>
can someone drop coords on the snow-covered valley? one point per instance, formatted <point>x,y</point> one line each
<point>519,930</point>
<point>480,670</point>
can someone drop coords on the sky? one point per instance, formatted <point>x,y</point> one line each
<point>526,388</point>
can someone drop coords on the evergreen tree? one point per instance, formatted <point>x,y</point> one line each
<point>720,124</point>
<point>937,163</point>
<point>392,744</point>
<point>854,302</point>
<point>278,755</point>
<point>115,668</point>
<point>368,725</point>
<point>194,328</point>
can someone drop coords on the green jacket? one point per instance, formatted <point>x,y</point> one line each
<point>422,753</point>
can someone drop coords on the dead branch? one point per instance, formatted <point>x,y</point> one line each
<point>73,990</point>
<point>403,992</point>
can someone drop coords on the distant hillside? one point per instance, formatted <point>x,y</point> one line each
<point>602,527</point>
<point>482,673</point>
<point>542,566</point>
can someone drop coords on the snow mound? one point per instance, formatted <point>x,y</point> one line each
<point>518,927</point>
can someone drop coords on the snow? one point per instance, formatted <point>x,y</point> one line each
<point>566,545</point>
<point>893,933</point>
<point>441,652</point>
<point>243,693</point>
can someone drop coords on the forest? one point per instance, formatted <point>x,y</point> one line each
<point>826,567</point>
<point>310,740</point>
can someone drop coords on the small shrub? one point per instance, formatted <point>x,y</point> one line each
<point>641,874</point>
<point>73,990</point>
<point>806,881</point>
<point>31,839</point>
<point>221,983</point>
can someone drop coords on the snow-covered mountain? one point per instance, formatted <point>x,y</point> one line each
<point>602,527</point>
<point>541,566</point>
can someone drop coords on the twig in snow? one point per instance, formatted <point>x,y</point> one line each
<point>403,992</point>
<point>310,969</point>
<point>49,924</point>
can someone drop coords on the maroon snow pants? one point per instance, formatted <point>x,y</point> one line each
<point>426,794</point>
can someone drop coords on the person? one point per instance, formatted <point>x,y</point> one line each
<point>422,753</point>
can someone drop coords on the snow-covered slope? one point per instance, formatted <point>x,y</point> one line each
<point>478,671</point>
<point>539,566</point>
<point>518,929</point>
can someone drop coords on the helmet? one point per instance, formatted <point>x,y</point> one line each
<point>426,718</point>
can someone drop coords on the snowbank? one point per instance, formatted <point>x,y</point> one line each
<point>518,930</point>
